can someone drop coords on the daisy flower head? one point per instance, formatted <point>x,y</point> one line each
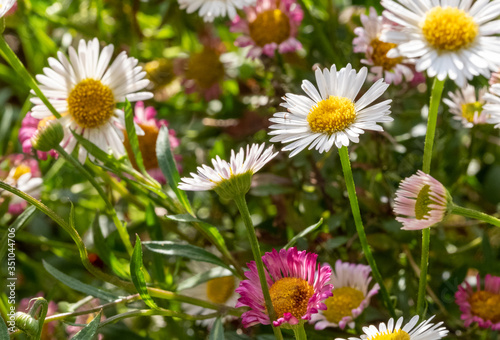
<point>233,178</point>
<point>368,42</point>
<point>85,89</point>
<point>466,106</point>
<point>29,127</point>
<point>480,305</point>
<point>331,116</point>
<point>270,25</point>
<point>211,9</point>
<point>421,201</point>
<point>5,6</point>
<point>452,39</point>
<point>410,331</point>
<point>350,296</point>
<point>145,118</point>
<point>298,286</point>
<point>492,106</point>
<point>23,174</point>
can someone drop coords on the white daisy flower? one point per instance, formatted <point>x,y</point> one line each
<point>466,106</point>
<point>446,38</point>
<point>410,331</point>
<point>350,296</point>
<point>492,106</point>
<point>5,6</point>
<point>84,89</point>
<point>332,115</point>
<point>210,9</point>
<point>234,176</point>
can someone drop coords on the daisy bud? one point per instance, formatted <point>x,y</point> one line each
<point>48,136</point>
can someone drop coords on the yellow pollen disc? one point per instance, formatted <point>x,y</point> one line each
<point>91,104</point>
<point>485,305</point>
<point>147,145</point>
<point>21,170</point>
<point>422,209</point>
<point>44,121</point>
<point>332,115</point>
<point>449,28</point>
<point>379,55</point>
<point>468,110</point>
<point>398,335</point>
<point>341,304</point>
<point>291,295</point>
<point>205,68</point>
<point>272,26</point>
<point>219,290</point>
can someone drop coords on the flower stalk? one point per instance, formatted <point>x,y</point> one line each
<point>300,332</point>
<point>466,212</point>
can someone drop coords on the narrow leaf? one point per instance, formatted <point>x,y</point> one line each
<point>132,136</point>
<point>200,278</point>
<point>90,331</point>
<point>17,225</point>
<point>217,331</point>
<point>94,150</point>
<point>78,285</point>
<point>303,233</point>
<point>137,274</point>
<point>169,167</point>
<point>156,233</point>
<point>4,332</point>
<point>184,250</point>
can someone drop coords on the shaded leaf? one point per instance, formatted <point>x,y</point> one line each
<point>4,332</point>
<point>132,135</point>
<point>90,331</point>
<point>217,331</point>
<point>137,274</point>
<point>303,233</point>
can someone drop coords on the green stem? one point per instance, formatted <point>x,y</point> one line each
<point>477,215</point>
<point>122,231</point>
<point>254,243</point>
<point>300,332</point>
<point>18,66</point>
<point>351,189</point>
<point>437,91</point>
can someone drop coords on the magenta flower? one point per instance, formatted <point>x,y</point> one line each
<point>28,128</point>
<point>297,285</point>
<point>270,25</point>
<point>421,201</point>
<point>480,306</point>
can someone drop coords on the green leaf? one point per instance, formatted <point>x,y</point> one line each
<point>303,233</point>
<point>78,285</point>
<point>132,136</point>
<point>200,278</point>
<point>156,233</point>
<point>4,332</point>
<point>136,271</point>
<point>169,167</point>
<point>184,250</point>
<point>94,150</point>
<point>17,225</point>
<point>105,253</point>
<point>90,331</point>
<point>217,331</point>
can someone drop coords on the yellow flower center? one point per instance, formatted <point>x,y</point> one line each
<point>341,304</point>
<point>379,55</point>
<point>449,29</point>
<point>147,145</point>
<point>219,290</point>
<point>160,72</point>
<point>468,110</point>
<point>291,295</point>
<point>205,68</point>
<point>422,204</point>
<point>91,103</point>
<point>485,305</point>
<point>272,26</point>
<point>398,335</point>
<point>332,115</point>
<point>21,170</point>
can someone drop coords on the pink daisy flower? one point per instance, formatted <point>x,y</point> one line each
<point>368,42</point>
<point>28,128</point>
<point>23,174</point>
<point>297,285</point>
<point>145,118</point>
<point>466,106</point>
<point>421,201</point>
<point>270,25</point>
<point>480,306</point>
<point>350,296</point>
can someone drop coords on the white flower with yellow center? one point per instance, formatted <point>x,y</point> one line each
<point>85,89</point>
<point>331,116</point>
<point>410,331</point>
<point>350,296</point>
<point>466,106</point>
<point>5,6</point>
<point>446,38</point>
<point>211,9</point>
<point>492,106</point>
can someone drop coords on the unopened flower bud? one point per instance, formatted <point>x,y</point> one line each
<point>48,136</point>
